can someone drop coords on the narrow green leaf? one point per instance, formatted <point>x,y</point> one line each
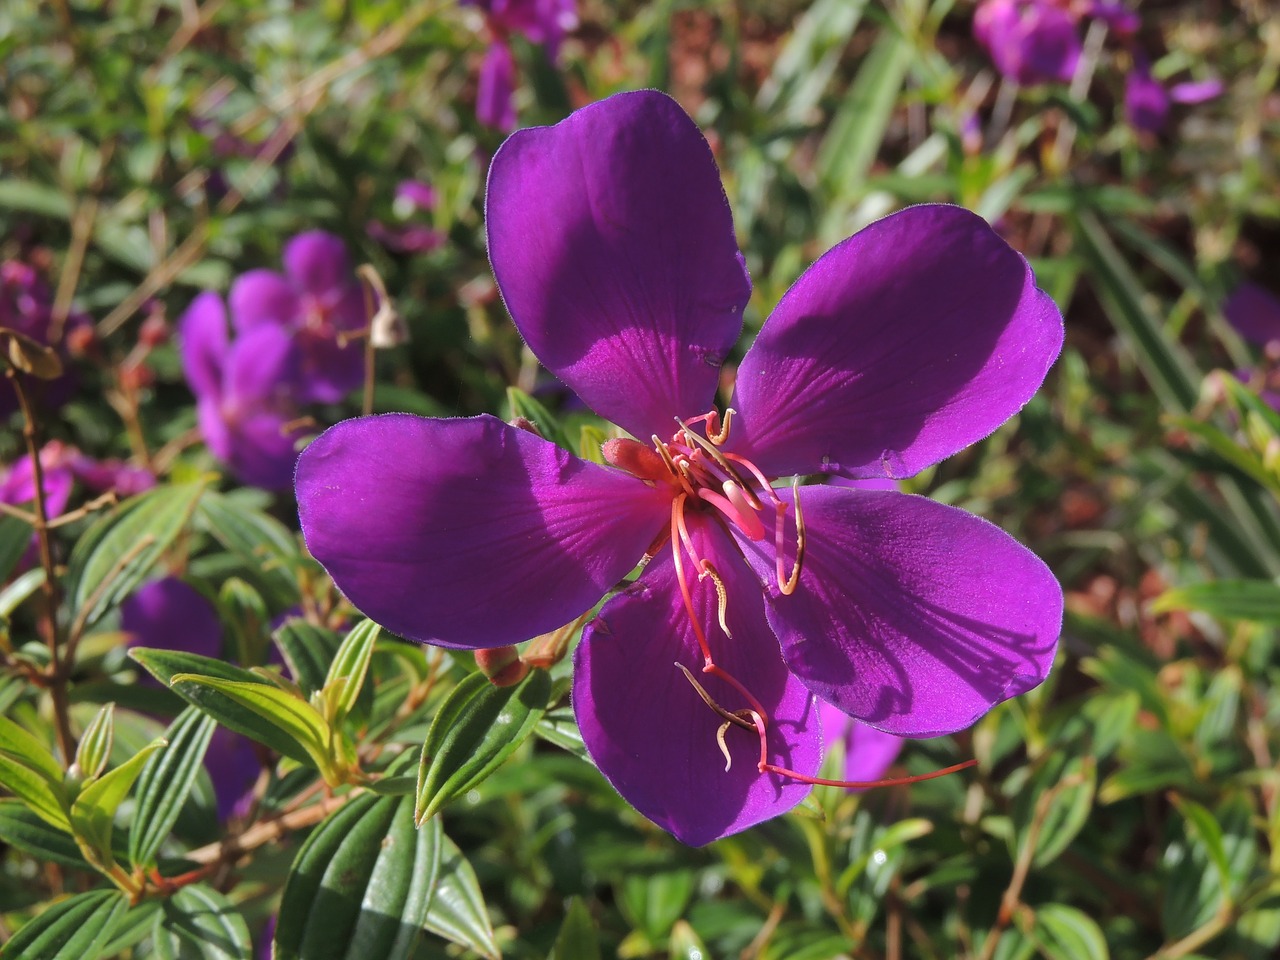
<point>458,911</point>
<point>523,405</point>
<point>1256,600</point>
<point>346,674</point>
<point>95,745</point>
<point>1205,827</point>
<point>308,650</point>
<point>25,829</point>
<point>120,549</point>
<point>558,726</point>
<point>808,59</point>
<point>265,546</point>
<point>166,782</point>
<point>164,665</point>
<point>361,885</point>
<point>577,939</point>
<point>29,772</point>
<point>476,728</point>
<point>94,809</point>
<point>77,928</point>
<point>1165,363</point>
<point>198,923</point>
<point>136,925</point>
<point>22,587</point>
<point>291,715</point>
<point>1066,933</point>
<point>15,537</point>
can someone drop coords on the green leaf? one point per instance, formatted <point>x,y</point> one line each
<point>1205,827</point>
<point>95,745</point>
<point>346,674</point>
<point>265,546</point>
<point>1066,933</point>
<point>458,910</point>
<point>523,405</point>
<point>29,772</point>
<point>166,782</point>
<point>1060,798</point>
<point>289,714</point>
<point>119,550</point>
<point>15,537</point>
<point>198,923</point>
<point>577,939</point>
<point>164,665</point>
<point>361,885</point>
<point>558,726</point>
<point>23,828</point>
<point>308,650</point>
<point>94,809</point>
<point>476,728</point>
<point>77,928</point>
<point>21,588</point>
<point>1256,600</point>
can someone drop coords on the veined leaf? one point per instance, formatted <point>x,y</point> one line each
<point>476,728</point>
<point>166,782</point>
<point>29,772</point>
<point>308,650</point>
<point>95,745</point>
<point>1256,600</point>
<point>361,885</point>
<point>25,829</point>
<point>263,544</point>
<point>346,674</point>
<point>458,911</point>
<point>94,809</point>
<point>198,922</point>
<point>77,928</point>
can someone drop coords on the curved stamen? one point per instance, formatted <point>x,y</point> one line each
<point>765,486</point>
<point>788,586</point>
<point>722,595</point>
<point>666,458</point>
<point>724,464</point>
<point>678,525</point>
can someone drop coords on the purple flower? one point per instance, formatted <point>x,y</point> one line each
<point>26,305</point>
<point>243,391</point>
<point>412,197</point>
<point>1029,41</point>
<point>544,22</point>
<point>1117,17</point>
<point>168,614</point>
<point>1147,101</point>
<point>613,246</point>
<point>18,487</point>
<point>316,299</point>
<point>868,753</point>
<point>103,475</point>
<point>1254,311</point>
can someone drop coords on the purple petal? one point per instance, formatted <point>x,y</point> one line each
<point>912,616</point>
<point>613,246</point>
<point>1196,91</point>
<point>868,753</point>
<point>1030,41</point>
<point>902,345</point>
<point>495,88</point>
<point>327,370</point>
<point>410,238</point>
<point>649,732</point>
<point>413,196</point>
<point>261,365</point>
<point>263,298</point>
<point>169,614</point>
<point>1254,311</point>
<point>1146,102</point>
<point>233,765</point>
<point>469,532</point>
<point>202,338</point>
<point>261,451</point>
<point>317,263</point>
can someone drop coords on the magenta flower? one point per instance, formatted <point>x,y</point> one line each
<point>168,614</point>
<point>1147,101</point>
<point>413,197</point>
<point>614,249</point>
<point>244,392</point>
<point>1254,311</point>
<point>544,22</point>
<point>314,301</point>
<point>1029,41</point>
<point>26,305</point>
<point>868,753</point>
<point>18,489</point>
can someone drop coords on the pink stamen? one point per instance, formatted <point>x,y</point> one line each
<point>748,523</point>
<point>755,471</point>
<point>677,523</point>
<point>766,767</point>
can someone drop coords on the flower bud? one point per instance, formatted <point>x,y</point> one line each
<point>502,665</point>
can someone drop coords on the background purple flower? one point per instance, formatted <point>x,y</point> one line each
<point>1029,41</point>
<point>169,614</point>
<point>26,305</point>
<point>18,488</point>
<point>244,392</point>
<point>544,22</point>
<point>314,301</point>
<point>1254,311</point>
<point>868,753</point>
<point>899,347</point>
<point>413,198</point>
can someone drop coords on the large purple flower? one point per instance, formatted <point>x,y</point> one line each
<point>244,392</point>
<point>314,301</point>
<point>613,246</point>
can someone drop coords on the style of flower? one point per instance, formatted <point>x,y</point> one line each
<point>868,753</point>
<point>1029,41</point>
<point>169,614</point>
<point>244,391</point>
<point>544,22</point>
<point>613,246</point>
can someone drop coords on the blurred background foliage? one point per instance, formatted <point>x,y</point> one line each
<point>151,149</point>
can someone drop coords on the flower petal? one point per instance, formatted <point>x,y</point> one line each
<point>651,734</point>
<point>262,450</point>
<point>468,532</point>
<point>317,263</point>
<point>263,298</point>
<point>495,88</point>
<point>261,366</point>
<point>170,614</point>
<point>1254,312</point>
<point>911,615</point>
<point>900,346</point>
<point>202,336</point>
<point>613,246</point>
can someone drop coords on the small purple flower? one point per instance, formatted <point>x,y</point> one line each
<point>1254,311</point>
<point>413,197</point>
<point>1029,41</point>
<point>26,305</point>
<point>544,22</point>
<point>613,246</point>
<point>1119,18</point>
<point>1147,101</point>
<point>103,475</point>
<point>169,614</point>
<point>18,487</point>
<point>314,301</point>
<point>244,391</point>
